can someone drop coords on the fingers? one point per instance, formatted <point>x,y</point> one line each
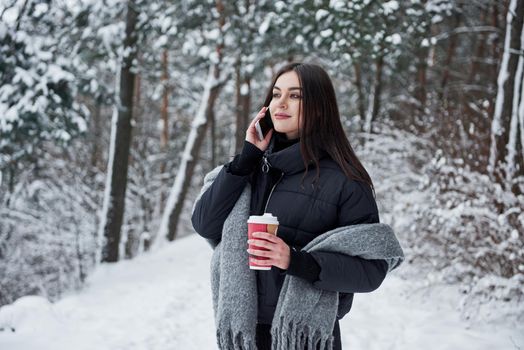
<point>274,251</point>
<point>258,252</point>
<point>260,115</point>
<point>267,236</point>
<point>262,262</point>
<point>279,258</point>
<point>260,243</point>
<point>270,249</point>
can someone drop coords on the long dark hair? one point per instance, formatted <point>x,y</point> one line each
<point>321,127</point>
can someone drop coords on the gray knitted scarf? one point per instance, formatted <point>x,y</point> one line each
<point>305,315</point>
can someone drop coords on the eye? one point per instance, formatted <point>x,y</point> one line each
<point>296,96</point>
<point>276,94</point>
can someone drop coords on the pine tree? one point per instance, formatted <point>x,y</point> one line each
<point>37,88</point>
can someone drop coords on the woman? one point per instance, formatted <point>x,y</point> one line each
<point>306,174</point>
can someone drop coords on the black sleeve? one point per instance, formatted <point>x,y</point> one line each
<point>246,161</point>
<point>215,204</point>
<point>303,265</point>
<point>348,274</point>
<point>340,272</point>
<point>357,205</point>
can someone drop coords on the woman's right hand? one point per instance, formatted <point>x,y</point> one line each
<point>251,133</point>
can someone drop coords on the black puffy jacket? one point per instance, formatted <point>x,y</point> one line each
<point>304,211</point>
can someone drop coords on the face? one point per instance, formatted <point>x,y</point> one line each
<point>286,105</point>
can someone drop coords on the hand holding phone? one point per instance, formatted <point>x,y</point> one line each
<point>260,129</point>
<point>263,125</point>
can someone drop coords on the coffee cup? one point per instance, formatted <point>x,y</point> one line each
<point>261,223</point>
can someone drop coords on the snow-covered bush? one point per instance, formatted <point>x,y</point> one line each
<point>455,225</point>
<point>470,229</point>
<point>47,233</point>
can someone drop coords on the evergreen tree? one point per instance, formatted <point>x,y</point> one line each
<point>37,88</point>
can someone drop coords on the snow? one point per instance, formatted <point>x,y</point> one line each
<point>40,9</point>
<point>337,4</point>
<point>265,25</point>
<point>3,30</point>
<point>161,41</point>
<point>204,51</point>
<point>280,6</point>
<point>390,7</point>
<point>111,34</point>
<point>321,14</point>
<point>212,34</point>
<point>326,33</point>
<point>162,300</point>
<point>24,76</point>
<point>10,15</point>
<point>244,89</point>
<point>439,8</point>
<point>395,39</point>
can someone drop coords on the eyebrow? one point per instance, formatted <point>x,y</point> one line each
<point>291,88</point>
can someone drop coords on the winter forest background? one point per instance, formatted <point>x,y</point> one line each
<point>111,112</point>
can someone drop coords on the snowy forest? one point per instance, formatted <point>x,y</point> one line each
<point>112,111</point>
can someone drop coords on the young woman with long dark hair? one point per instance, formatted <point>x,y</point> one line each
<point>305,173</point>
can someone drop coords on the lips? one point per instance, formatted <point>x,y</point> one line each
<point>282,116</point>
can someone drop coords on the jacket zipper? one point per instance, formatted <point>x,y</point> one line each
<point>265,169</point>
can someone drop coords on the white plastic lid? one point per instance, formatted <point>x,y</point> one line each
<point>267,219</point>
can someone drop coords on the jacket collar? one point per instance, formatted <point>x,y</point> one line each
<point>289,160</point>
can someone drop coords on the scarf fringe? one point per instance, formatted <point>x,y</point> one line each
<point>289,335</point>
<point>239,341</point>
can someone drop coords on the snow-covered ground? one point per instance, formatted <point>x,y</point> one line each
<point>162,300</point>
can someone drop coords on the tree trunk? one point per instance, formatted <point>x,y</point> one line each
<point>221,22</point>
<point>495,42</point>
<point>422,67</point>
<point>239,131</point>
<point>137,96</point>
<point>377,90</point>
<point>213,143</point>
<point>450,54</point>
<point>246,104</point>
<point>205,116</point>
<point>514,157</point>
<point>360,92</point>
<point>422,53</point>
<point>132,238</point>
<point>506,101</point>
<point>243,96</point>
<point>114,209</point>
<point>175,201</point>
<point>479,52</point>
<point>97,135</point>
<point>164,135</point>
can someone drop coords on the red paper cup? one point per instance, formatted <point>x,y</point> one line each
<point>260,223</point>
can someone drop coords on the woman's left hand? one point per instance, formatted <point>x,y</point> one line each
<point>278,252</point>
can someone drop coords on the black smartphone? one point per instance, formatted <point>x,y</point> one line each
<point>264,125</point>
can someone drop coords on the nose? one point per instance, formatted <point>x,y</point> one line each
<point>282,102</point>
